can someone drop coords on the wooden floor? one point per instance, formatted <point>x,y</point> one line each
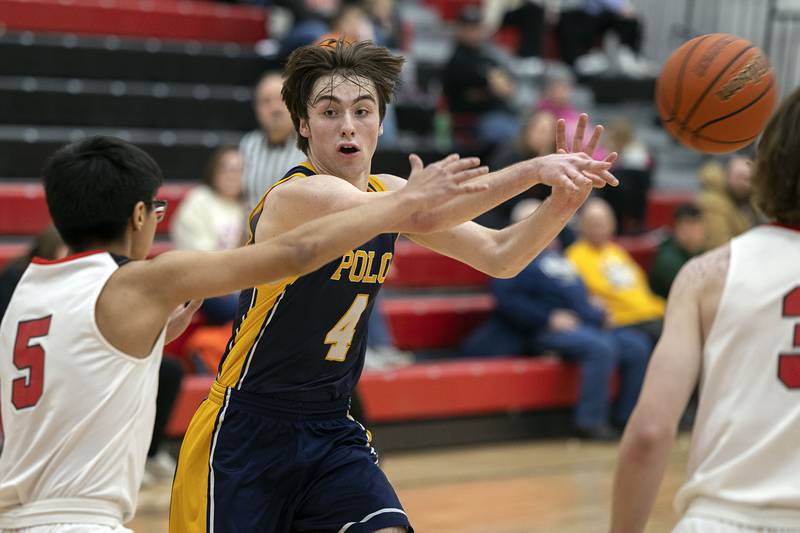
<point>542,486</point>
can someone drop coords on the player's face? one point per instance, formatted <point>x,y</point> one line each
<point>343,126</point>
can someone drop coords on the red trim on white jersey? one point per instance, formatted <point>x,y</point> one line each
<point>40,261</point>
<point>795,227</point>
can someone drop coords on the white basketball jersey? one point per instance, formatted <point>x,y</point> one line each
<point>744,460</point>
<point>77,413</point>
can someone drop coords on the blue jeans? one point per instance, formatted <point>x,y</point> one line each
<point>497,128</point>
<point>598,352</point>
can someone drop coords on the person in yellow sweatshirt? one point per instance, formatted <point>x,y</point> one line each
<point>611,274</point>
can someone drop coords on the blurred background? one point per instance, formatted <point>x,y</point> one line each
<point>455,361</point>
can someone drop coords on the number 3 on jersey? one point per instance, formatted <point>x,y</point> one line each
<point>789,364</point>
<point>26,391</point>
<point>341,336</point>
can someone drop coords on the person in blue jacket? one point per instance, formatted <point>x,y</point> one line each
<point>547,308</point>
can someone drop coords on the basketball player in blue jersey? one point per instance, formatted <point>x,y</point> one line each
<point>272,449</point>
<point>82,338</point>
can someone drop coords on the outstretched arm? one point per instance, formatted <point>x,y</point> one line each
<point>181,276</point>
<point>504,253</point>
<point>671,377</point>
<point>557,170</point>
<point>139,297</point>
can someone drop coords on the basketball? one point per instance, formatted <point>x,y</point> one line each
<point>716,93</point>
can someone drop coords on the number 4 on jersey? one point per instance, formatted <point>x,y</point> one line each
<point>789,364</point>
<point>341,336</point>
<point>26,391</point>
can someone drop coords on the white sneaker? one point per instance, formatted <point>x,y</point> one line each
<point>592,64</point>
<point>635,66</point>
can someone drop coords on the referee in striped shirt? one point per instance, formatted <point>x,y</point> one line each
<point>268,152</point>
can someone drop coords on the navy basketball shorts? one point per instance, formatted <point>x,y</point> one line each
<point>276,466</point>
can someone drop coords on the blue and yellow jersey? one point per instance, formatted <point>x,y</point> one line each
<point>304,338</point>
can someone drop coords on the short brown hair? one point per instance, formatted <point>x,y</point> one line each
<point>351,60</point>
<point>776,184</point>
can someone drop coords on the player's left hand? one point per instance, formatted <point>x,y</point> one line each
<point>180,318</point>
<point>584,151</point>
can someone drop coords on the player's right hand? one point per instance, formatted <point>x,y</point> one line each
<point>432,185</point>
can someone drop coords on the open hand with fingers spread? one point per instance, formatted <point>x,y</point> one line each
<point>432,185</point>
<point>572,172</point>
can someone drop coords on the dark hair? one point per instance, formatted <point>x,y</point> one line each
<point>92,186</point>
<point>776,182</point>
<point>214,163</point>
<point>351,60</point>
<point>686,211</point>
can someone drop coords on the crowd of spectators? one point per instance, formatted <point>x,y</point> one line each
<point>584,299</point>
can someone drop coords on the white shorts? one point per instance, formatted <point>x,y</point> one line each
<point>69,528</point>
<point>696,524</point>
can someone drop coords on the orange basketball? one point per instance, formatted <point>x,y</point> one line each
<point>716,93</point>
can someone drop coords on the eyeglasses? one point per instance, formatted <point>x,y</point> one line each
<point>159,207</point>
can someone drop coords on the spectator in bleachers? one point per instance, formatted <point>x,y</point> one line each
<point>476,85</point>
<point>351,24</point>
<point>527,17</point>
<point>309,22</point>
<point>726,199</point>
<point>557,99</point>
<point>536,138</point>
<point>687,240</point>
<point>611,274</point>
<point>268,152</point>
<point>581,30</point>
<point>386,24</point>
<point>635,168</point>
<point>546,308</point>
<point>212,217</point>
<point>47,245</point>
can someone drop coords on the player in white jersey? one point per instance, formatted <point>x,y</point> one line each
<point>81,341</point>
<point>733,329</point>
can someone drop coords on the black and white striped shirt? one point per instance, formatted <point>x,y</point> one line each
<point>264,164</point>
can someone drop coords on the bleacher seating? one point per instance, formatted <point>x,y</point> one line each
<point>172,19</point>
<point>438,390</point>
<point>23,209</point>
<point>176,77</point>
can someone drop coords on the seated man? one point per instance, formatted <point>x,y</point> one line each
<point>475,83</point>
<point>687,240</point>
<point>546,307</point>
<point>611,274</point>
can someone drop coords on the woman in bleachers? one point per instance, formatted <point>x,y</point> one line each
<point>212,217</point>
